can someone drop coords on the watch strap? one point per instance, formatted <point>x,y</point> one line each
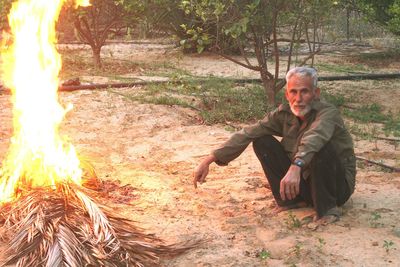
<point>299,162</point>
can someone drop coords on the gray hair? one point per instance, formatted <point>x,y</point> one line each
<point>303,72</point>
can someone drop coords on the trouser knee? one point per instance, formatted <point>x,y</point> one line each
<point>265,143</point>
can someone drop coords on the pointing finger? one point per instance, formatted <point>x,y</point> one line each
<point>195,181</point>
<point>282,191</point>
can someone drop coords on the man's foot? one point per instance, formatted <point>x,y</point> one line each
<point>279,209</point>
<point>331,216</point>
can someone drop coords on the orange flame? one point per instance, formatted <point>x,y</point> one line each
<point>38,156</point>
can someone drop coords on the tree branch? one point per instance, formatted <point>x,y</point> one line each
<point>242,52</point>
<point>309,56</point>
<point>251,67</point>
<point>84,32</point>
<point>276,50</point>
<point>257,49</point>
<point>291,44</point>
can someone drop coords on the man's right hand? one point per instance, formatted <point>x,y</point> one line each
<point>201,172</point>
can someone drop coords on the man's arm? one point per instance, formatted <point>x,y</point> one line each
<point>237,143</point>
<point>201,171</point>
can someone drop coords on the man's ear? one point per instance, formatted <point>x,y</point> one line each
<point>286,94</point>
<point>317,92</point>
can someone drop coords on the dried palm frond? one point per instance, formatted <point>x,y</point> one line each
<point>89,178</point>
<point>65,227</point>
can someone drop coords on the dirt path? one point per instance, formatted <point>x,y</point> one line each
<point>155,148</point>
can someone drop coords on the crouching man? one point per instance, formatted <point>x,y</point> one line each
<point>313,164</point>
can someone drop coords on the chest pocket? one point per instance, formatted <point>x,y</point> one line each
<point>290,133</point>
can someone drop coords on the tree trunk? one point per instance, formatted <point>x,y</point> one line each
<point>348,13</point>
<point>96,57</point>
<point>268,84</point>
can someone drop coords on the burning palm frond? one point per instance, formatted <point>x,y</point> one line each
<point>65,227</point>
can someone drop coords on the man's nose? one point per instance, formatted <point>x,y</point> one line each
<point>299,98</point>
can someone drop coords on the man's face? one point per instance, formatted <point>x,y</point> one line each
<point>300,94</point>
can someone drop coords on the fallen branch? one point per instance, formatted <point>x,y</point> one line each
<point>250,80</point>
<point>394,169</point>
<point>141,83</point>
<point>387,139</point>
<point>370,76</point>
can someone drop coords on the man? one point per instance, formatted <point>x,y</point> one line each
<point>313,164</point>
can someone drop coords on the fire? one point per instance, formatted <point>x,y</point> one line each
<point>37,156</point>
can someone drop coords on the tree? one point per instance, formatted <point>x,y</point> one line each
<point>385,12</point>
<point>96,22</point>
<point>271,29</point>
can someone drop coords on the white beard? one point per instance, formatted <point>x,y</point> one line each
<point>301,113</point>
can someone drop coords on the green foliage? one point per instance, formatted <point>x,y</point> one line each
<point>227,103</point>
<point>373,114</point>
<point>196,38</point>
<point>256,26</point>
<point>221,101</point>
<point>292,221</point>
<point>217,100</point>
<point>234,18</point>
<point>321,244</point>
<point>167,100</point>
<point>340,68</point>
<point>367,113</point>
<point>374,219</point>
<point>388,245</point>
<point>394,22</point>
<point>297,249</point>
<point>264,254</point>
<point>385,12</point>
<point>337,100</point>
<point>348,22</point>
<point>392,125</point>
<point>202,23</point>
<point>151,16</point>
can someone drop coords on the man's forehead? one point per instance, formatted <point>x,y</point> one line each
<point>300,81</point>
<point>297,77</point>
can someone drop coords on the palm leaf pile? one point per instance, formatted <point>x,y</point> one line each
<point>65,227</point>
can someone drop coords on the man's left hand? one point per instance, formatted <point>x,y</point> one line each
<point>290,184</point>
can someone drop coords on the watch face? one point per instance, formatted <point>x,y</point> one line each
<point>299,163</point>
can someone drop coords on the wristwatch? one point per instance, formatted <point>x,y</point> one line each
<point>299,162</point>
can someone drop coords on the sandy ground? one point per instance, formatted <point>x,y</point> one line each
<point>153,150</point>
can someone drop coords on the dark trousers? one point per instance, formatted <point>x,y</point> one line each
<point>326,186</point>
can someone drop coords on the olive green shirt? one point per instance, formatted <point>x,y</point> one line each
<point>300,139</point>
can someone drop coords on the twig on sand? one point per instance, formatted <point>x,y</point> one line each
<point>394,169</point>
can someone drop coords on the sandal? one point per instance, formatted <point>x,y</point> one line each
<point>331,216</point>
<point>299,205</point>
